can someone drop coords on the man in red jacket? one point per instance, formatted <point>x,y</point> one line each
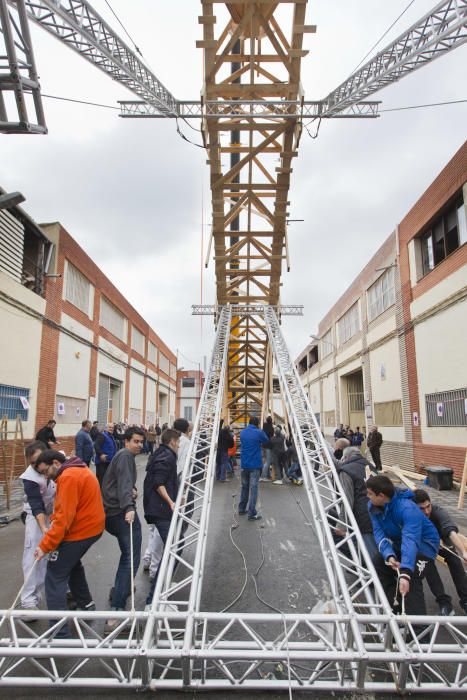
<point>77,522</point>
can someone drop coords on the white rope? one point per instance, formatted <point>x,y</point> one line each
<point>132,568</point>
<point>18,595</point>
<point>451,551</point>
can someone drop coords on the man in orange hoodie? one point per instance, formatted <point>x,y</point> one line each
<point>77,522</point>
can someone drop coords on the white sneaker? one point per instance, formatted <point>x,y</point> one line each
<point>278,481</point>
<point>26,618</point>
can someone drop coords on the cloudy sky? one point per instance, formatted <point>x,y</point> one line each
<point>135,195</point>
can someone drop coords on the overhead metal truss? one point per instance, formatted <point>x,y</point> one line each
<point>439,31</point>
<point>362,646</point>
<point>281,310</point>
<point>248,109</point>
<point>19,83</point>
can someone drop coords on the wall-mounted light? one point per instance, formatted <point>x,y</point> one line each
<point>77,354</point>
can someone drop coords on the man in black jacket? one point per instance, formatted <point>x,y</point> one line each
<point>224,444</point>
<point>374,442</point>
<point>119,497</point>
<point>448,532</point>
<point>47,435</point>
<point>161,489</point>
<point>352,475</point>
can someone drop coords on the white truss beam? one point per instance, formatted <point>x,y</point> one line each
<point>439,31</point>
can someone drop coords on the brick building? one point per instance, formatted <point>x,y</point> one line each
<point>76,348</point>
<point>391,351</point>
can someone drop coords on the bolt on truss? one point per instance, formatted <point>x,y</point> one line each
<point>247,109</point>
<point>439,31</point>
<point>18,74</point>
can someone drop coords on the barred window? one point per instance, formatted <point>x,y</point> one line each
<point>112,319</point>
<point>14,401</point>
<point>447,408</point>
<point>137,340</point>
<point>326,344</point>
<point>388,413</point>
<point>381,294</point>
<point>349,324</point>
<point>77,288</point>
<point>152,354</point>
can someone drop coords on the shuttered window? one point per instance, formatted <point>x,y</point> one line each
<point>388,413</point>
<point>11,245</point>
<point>326,344</point>
<point>152,355</point>
<point>164,363</point>
<point>137,341</point>
<point>77,288</point>
<point>112,319</point>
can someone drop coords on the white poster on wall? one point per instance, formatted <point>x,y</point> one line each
<point>24,402</point>
<point>440,409</point>
<point>415,419</point>
<point>61,409</point>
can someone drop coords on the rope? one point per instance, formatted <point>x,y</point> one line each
<point>18,595</point>
<point>132,569</point>
<point>451,551</point>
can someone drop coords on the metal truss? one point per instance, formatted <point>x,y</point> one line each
<point>245,309</point>
<point>18,74</point>
<point>439,31</point>
<point>361,646</point>
<point>79,26</point>
<point>247,109</point>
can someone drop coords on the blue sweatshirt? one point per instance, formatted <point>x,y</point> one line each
<point>401,525</point>
<point>251,439</point>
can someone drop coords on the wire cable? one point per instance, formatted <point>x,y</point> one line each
<point>234,526</point>
<point>80,102</point>
<point>432,104</point>
<point>185,138</point>
<point>123,27</point>
<point>383,35</point>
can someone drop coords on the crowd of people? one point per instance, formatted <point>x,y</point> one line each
<point>67,508</point>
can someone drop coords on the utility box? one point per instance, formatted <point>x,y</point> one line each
<point>440,478</point>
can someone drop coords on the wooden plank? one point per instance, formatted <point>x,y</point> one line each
<point>460,503</point>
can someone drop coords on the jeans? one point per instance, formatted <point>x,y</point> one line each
<point>294,471</point>
<point>459,577</point>
<point>249,492</point>
<point>415,599</point>
<point>65,570</point>
<point>163,527</point>
<point>265,473</point>
<point>117,526</point>
<point>222,465</point>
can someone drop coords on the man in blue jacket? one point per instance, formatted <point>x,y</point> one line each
<point>406,539</point>
<point>251,462</point>
<point>84,448</point>
<point>106,448</point>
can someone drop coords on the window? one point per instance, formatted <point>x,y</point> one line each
<point>444,236</point>
<point>137,341</point>
<point>134,416</point>
<point>188,382</point>
<point>70,410</point>
<point>188,412</point>
<point>349,324</point>
<point>381,294</point>
<point>326,344</point>
<point>152,354</point>
<point>14,401</point>
<point>447,408</point>
<point>173,371</point>
<point>77,288</point>
<point>388,413</point>
<point>112,319</point>
<point>329,418</point>
<point>164,363</point>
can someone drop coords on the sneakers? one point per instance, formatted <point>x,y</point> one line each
<point>146,564</point>
<point>278,482</point>
<point>446,609</point>
<point>255,517</point>
<point>297,482</point>
<point>26,618</point>
<point>111,625</point>
<point>264,478</point>
<point>242,512</point>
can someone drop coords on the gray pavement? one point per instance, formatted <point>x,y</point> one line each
<point>280,552</point>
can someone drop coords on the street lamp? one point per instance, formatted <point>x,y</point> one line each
<point>11,199</point>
